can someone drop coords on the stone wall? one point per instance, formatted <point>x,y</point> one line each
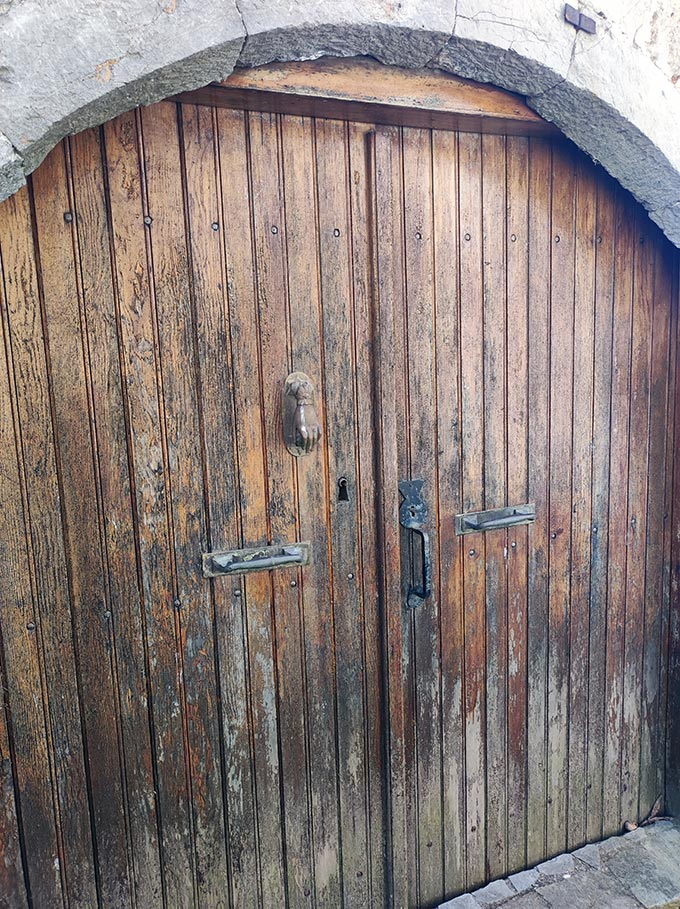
<point>71,64</point>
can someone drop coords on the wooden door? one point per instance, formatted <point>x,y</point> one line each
<point>482,311</point>
<point>215,743</point>
<point>526,310</point>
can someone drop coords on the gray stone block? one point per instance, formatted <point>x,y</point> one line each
<point>11,169</point>
<point>466,901</point>
<point>668,219</point>
<point>70,65</point>
<point>528,47</point>
<point>650,869</point>
<point>530,900</point>
<point>524,880</point>
<point>402,34</point>
<point>587,890</point>
<point>493,893</point>
<point>561,864</point>
<point>590,854</point>
<point>616,87</point>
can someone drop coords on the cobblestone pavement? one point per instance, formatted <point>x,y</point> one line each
<point>638,869</point>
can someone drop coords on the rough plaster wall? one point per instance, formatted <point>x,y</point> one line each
<point>70,64</point>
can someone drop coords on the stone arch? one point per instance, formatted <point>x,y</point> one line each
<point>70,65</point>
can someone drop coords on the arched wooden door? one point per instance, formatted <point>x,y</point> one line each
<point>478,308</point>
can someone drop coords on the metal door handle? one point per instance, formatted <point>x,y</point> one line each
<point>290,556</point>
<point>416,595</point>
<point>263,558</point>
<point>495,519</point>
<point>412,516</point>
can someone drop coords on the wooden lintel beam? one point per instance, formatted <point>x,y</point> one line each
<point>365,90</point>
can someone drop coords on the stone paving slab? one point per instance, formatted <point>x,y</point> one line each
<point>638,870</point>
<point>648,866</point>
<point>587,889</point>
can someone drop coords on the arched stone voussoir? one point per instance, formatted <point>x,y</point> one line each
<point>76,63</point>
<point>410,33</point>
<point>71,64</point>
<point>601,90</point>
<point>11,169</point>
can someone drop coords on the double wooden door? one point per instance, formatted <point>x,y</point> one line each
<point>481,312</point>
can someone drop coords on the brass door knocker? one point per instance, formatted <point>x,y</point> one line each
<point>301,427</point>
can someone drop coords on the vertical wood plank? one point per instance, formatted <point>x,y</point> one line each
<point>23,714</point>
<point>618,514</point>
<point>390,334</point>
<point>140,352</point>
<point>185,478</point>
<point>423,442</point>
<point>340,426</point>
<point>638,466</point>
<point>495,496</point>
<point>269,234</point>
<point>664,783</point>
<point>111,432</point>
<point>216,407</point>
<point>360,143</point>
<point>656,574</point>
<point>540,243</point>
<point>446,241</point>
<point>472,405</point>
<point>70,382</point>
<point>12,884</point>
<point>517,360</point>
<point>669,771</point>
<point>315,490</point>
<point>599,542</point>
<point>237,200</point>
<point>581,490</point>
<point>53,621</point>
<point>561,407</point>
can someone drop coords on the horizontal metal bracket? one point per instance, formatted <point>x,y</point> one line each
<point>579,20</point>
<point>495,519</point>
<point>260,558</point>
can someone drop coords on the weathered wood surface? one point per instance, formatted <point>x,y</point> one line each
<point>363,90</point>
<point>488,313</point>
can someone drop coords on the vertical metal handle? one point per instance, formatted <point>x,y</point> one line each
<point>412,516</point>
<point>416,595</point>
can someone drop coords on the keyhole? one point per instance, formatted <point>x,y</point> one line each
<point>343,491</point>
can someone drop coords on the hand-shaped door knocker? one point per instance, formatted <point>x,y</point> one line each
<point>301,428</point>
